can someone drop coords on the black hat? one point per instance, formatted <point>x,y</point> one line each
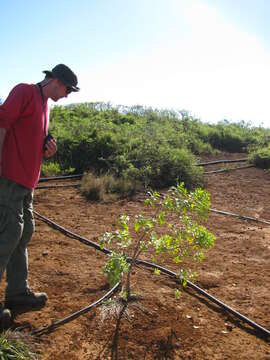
<point>65,75</point>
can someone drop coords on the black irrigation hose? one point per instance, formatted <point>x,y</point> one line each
<point>75,315</point>
<point>71,234</point>
<point>226,170</point>
<point>242,217</point>
<point>210,297</point>
<point>57,186</point>
<point>221,161</point>
<point>256,326</point>
<point>78,176</point>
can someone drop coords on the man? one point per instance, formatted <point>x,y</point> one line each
<point>24,141</point>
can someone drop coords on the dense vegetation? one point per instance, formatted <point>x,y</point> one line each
<point>156,147</point>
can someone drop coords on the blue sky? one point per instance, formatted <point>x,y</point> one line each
<point>211,57</point>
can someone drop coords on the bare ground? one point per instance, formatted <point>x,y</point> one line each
<point>158,326</point>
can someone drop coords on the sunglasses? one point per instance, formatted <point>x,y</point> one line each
<point>68,90</point>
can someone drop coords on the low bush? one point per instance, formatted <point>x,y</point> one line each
<point>261,157</point>
<point>163,166</point>
<point>50,169</point>
<point>53,169</point>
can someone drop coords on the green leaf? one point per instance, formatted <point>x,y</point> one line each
<point>161,217</point>
<point>177,259</point>
<point>137,226</point>
<point>177,294</point>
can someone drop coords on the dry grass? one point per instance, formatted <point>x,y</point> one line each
<point>107,187</point>
<point>17,345</point>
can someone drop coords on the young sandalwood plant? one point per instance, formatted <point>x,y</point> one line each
<point>174,228</point>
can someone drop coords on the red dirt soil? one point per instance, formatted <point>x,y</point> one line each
<point>158,326</point>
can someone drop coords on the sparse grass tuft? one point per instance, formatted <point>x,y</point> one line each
<point>92,187</point>
<point>17,345</point>
<point>107,187</point>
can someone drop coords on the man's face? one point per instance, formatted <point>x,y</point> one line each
<point>59,90</point>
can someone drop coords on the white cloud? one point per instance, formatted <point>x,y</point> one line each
<point>214,69</point>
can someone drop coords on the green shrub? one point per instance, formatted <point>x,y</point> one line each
<point>143,143</point>
<point>53,169</point>
<point>163,166</point>
<point>224,137</point>
<point>231,137</point>
<point>261,157</point>
<point>50,169</point>
<point>200,147</point>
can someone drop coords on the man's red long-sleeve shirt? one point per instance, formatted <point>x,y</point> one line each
<point>23,118</point>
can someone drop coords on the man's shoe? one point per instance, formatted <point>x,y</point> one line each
<point>27,298</point>
<point>5,318</point>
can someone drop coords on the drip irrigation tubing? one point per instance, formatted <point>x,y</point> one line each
<point>75,315</point>
<point>242,217</point>
<point>44,179</point>
<point>77,176</point>
<point>210,297</point>
<point>57,186</point>
<point>225,307</point>
<point>71,234</point>
<point>227,170</point>
<point>221,212</point>
<point>221,162</point>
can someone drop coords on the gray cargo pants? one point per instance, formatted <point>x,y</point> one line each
<point>16,229</point>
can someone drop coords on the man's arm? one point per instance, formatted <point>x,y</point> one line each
<point>2,139</point>
<point>10,111</point>
<point>12,108</point>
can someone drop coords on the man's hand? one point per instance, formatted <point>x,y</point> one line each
<point>50,148</point>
